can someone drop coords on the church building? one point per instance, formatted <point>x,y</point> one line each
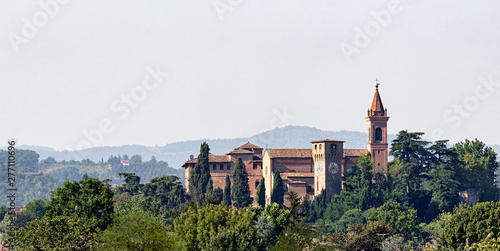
<point>305,171</point>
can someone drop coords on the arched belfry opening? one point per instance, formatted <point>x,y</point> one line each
<point>378,134</point>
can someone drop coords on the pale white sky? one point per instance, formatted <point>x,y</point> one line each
<point>243,68</point>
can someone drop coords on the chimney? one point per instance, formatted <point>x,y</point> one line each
<point>191,157</point>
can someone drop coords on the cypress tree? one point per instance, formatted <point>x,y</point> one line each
<point>200,175</point>
<point>218,195</point>
<point>210,187</point>
<point>278,192</point>
<point>307,209</point>
<point>260,193</point>
<point>320,204</point>
<point>240,193</point>
<point>227,192</point>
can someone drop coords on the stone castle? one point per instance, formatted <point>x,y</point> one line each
<point>304,171</point>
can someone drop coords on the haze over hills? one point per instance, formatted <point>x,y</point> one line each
<point>177,153</point>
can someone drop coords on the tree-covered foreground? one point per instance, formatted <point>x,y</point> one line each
<point>414,206</point>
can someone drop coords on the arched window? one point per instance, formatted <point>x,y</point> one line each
<point>256,183</point>
<point>378,134</point>
<point>333,148</point>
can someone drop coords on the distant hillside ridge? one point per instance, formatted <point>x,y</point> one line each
<point>178,152</point>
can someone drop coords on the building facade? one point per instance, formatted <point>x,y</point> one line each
<point>305,171</point>
<point>222,165</point>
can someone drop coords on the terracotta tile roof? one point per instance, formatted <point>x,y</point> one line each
<point>300,175</point>
<point>289,153</point>
<point>355,152</point>
<point>218,158</point>
<point>239,151</point>
<point>297,182</point>
<point>377,102</point>
<point>249,145</point>
<point>212,158</point>
<point>327,140</point>
<point>19,209</point>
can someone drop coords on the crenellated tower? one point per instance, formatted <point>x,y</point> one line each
<point>377,133</point>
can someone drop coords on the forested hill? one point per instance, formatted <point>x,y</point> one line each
<point>177,153</point>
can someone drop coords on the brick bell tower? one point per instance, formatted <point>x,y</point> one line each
<point>377,133</point>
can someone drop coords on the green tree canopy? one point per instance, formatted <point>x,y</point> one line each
<point>260,193</point>
<point>402,220</point>
<point>89,199</point>
<point>473,223</point>
<point>139,202</point>
<point>240,192</point>
<point>200,175</point>
<point>443,181</point>
<point>137,230</point>
<point>36,208</point>
<point>218,195</point>
<point>362,237</point>
<point>320,204</point>
<point>307,209</point>
<point>136,158</point>
<point>277,195</point>
<point>58,233</point>
<point>444,189</point>
<point>295,207</point>
<point>210,187</point>
<point>167,191</point>
<point>227,192</point>
<point>27,158</point>
<point>300,237</point>
<point>280,218</point>
<point>217,227</point>
<point>409,147</point>
<point>132,183</point>
<point>49,161</point>
<point>478,166</point>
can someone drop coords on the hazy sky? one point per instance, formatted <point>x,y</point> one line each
<point>154,72</point>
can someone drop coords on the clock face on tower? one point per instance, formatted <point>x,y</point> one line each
<point>319,168</point>
<point>333,168</point>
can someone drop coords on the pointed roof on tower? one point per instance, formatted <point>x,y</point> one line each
<point>377,102</point>
<point>377,108</point>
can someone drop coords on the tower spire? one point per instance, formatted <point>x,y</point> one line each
<point>377,108</point>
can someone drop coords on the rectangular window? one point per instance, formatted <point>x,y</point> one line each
<point>221,166</point>
<point>228,166</point>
